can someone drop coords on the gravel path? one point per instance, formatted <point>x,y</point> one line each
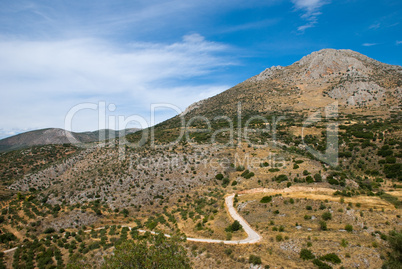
<point>252,238</point>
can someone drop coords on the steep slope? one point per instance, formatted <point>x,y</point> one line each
<point>181,187</point>
<point>354,80</point>
<point>358,84</point>
<point>57,136</point>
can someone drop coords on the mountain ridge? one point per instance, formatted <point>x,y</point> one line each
<point>58,136</point>
<point>327,72</point>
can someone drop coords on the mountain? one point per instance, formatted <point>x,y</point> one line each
<point>57,136</point>
<point>360,85</point>
<point>354,80</point>
<point>257,143</point>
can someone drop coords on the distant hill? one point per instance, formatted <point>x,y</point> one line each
<point>58,136</point>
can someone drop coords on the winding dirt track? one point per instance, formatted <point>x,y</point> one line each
<point>252,236</point>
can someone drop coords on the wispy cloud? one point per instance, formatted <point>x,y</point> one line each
<point>398,42</point>
<point>311,11</point>
<point>41,81</point>
<point>249,26</point>
<point>369,44</point>
<point>375,26</point>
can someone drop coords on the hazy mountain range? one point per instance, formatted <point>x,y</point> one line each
<point>58,136</point>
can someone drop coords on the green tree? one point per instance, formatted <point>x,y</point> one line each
<point>158,252</point>
<point>254,259</point>
<point>395,258</point>
<point>323,225</point>
<point>125,212</point>
<point>306,254</point>
<point>235,226</point>
<point>326,216</point>
<point>266,199</point>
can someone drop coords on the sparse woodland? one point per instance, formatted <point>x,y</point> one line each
<point>68,207</point>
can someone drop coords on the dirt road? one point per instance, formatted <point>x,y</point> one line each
<point>253,236</point>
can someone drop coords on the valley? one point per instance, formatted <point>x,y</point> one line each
<point>297,167</point>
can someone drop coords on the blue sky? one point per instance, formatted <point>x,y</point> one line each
<point>55,55</point>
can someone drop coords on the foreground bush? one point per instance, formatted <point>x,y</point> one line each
<point>158,252</point>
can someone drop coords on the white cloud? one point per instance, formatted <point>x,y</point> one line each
<point>41,81</point>
<point>310,10</point>
<point>375,26</point>
<point>398,42</point>
<point>369,44</point>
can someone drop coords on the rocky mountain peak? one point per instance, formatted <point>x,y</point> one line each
<point>328,62</point>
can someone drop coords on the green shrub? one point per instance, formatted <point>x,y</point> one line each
<point>266,199</point>
<point>306,254</point>
<point>159,252</point>
<point>309,179</point>
<point>254,259</point>
<point>395,257</point>
<point>49,230</point>
<point>228,251</point>
<point>7,237</point>
<point>281,178</point>
<point>240,168</point>
<point>326,216</point>
<point>344,243</point>
<point>247,174</point>
<point>317,178</point>
<point>393,170</point>
<point>349,228</point>
<point>235,226</point>
<point>331,257</point>
<point>321,265</point>
<point>323,225</point>
<point>219,176</point>
<point>333,181</point>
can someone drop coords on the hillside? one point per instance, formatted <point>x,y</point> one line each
<point>66,205</point>
<point>57,136</point>
<point>325,76</point>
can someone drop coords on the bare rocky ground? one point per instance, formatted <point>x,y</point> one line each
<point>179,187</point>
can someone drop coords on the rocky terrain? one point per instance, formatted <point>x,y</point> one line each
<point>263,141</point>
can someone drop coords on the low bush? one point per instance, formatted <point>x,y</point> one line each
<point>266,199</point>
<point>331,257</point>
<point>254,259</point>
<point>306,254</point>
<point>327,216</point>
